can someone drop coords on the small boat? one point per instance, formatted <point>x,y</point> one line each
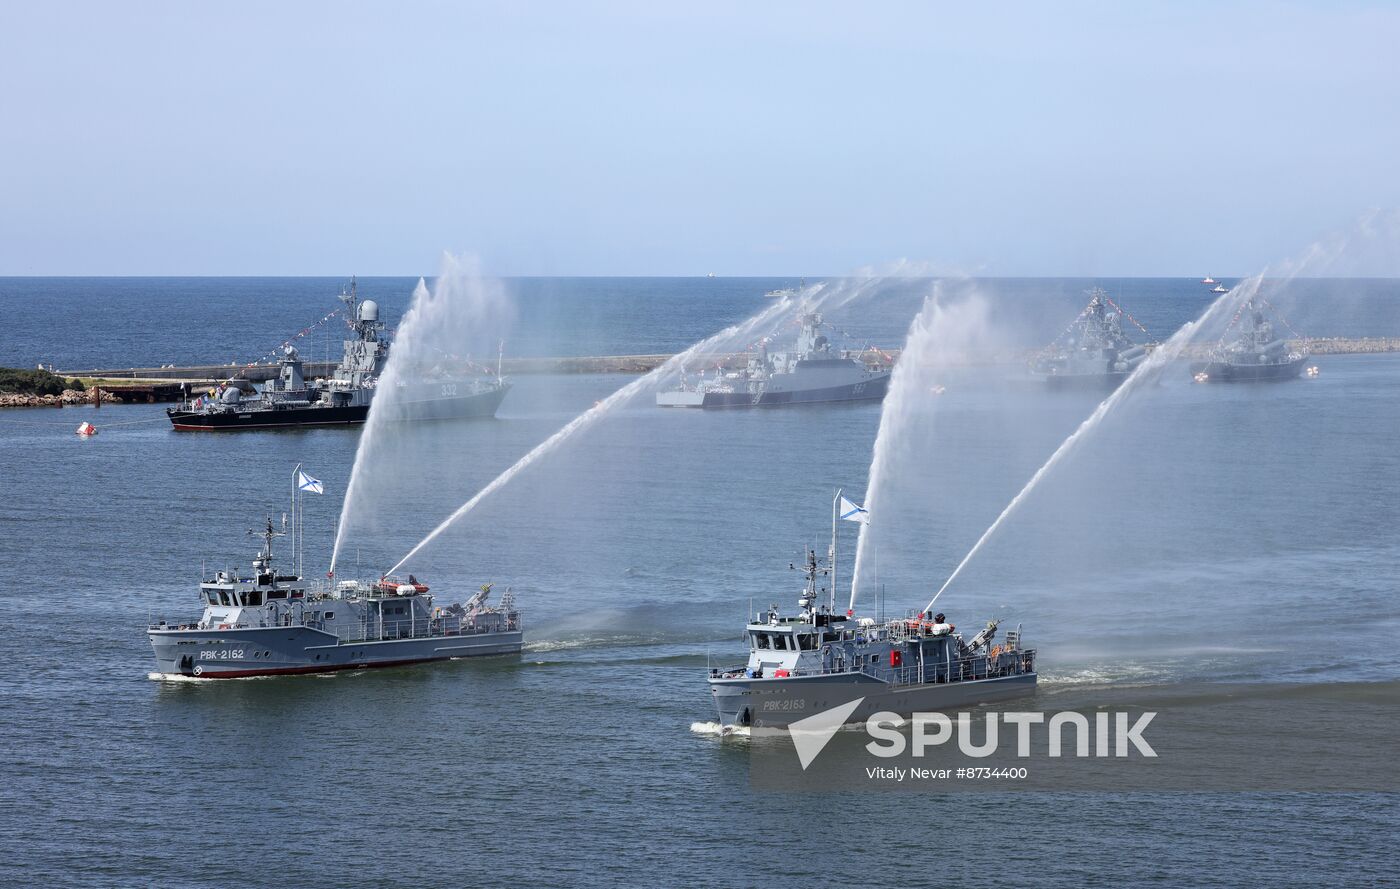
<point>1207,280</point>
<point>821,658</point>
<point>272,622</point>
<point>1220,288</point>
<point>86,430</point>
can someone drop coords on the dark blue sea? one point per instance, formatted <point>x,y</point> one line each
<point>1243,534</point>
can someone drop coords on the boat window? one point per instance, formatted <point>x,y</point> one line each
<point>762,640</point>
<point>330,614</point>
<point>253,597</point>
<point>212,596</point>
<point>223,597</point>
<point>807,642</point>
<point>276,594</point>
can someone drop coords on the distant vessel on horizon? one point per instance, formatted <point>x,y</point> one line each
<point>1220,288</point>
<point>1207,280</point>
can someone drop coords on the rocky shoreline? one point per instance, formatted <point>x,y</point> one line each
<point>70,397</point>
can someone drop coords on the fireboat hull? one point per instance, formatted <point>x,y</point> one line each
<point>776,703</point>
<point>281,651</point>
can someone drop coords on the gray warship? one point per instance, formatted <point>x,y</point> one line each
<point>1093,352</point>
<point>819,658</point>
<point>290,399</point>
<point>1255,354</point>
<point>811,373</point>
<point>269,623</point>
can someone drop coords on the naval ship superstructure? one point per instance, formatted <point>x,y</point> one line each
<point>269,623</point>
<point>1255,354</point>
<point>290,399</point>
<point>819,658</point>
<point>1093,352</point>
<point>813,372</point>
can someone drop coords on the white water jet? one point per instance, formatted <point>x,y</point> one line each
<point>817,297</point>
<point>593,414</point>
<point>1155,361</point>
<point>462,314</point>
<point>938,337</point>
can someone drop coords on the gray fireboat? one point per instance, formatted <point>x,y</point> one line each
<point>290,399</point>
<point>818,659</point>
<point>1256,354</point>
<point>267,623</point>
<point>813,372</point>
<point>1093,352</point>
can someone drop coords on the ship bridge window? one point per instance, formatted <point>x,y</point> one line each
<point>253,597</point>
<point>276,594</point>
<point>223,597</point>
<point>761,641</point>
<point>807,642</point>
<point>212,596</point>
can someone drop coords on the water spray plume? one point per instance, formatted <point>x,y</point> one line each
<point>938,335</point>
<point>592,415</point>
<point>815,297</point>
<point>462,312</point>
<point>1159,358</point>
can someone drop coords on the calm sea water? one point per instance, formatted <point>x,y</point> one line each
<point>1246,533</point>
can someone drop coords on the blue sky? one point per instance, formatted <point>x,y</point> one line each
<point>774,138</point>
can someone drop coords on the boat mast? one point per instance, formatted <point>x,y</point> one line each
<point>831,593</point>
<point>296,531</point>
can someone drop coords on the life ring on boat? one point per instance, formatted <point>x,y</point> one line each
<point>996,651</point>
<point>225,626</point>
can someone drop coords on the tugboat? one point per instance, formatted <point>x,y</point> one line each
<point>291,400</point>
<point>813,372</point>
<point>1255,355</point>
<point>1093,351</point>
<point>268,623</point>
<point>818,659</point>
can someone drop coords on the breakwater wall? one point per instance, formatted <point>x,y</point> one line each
<point>637,364</point>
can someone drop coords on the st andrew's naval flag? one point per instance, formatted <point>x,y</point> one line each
<point>309,484</point>
<point>854,512</point>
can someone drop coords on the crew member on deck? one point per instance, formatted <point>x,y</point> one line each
<point>941,627</point>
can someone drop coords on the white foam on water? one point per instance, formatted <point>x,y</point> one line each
<point>175,677</point>
<point>718,730</point>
